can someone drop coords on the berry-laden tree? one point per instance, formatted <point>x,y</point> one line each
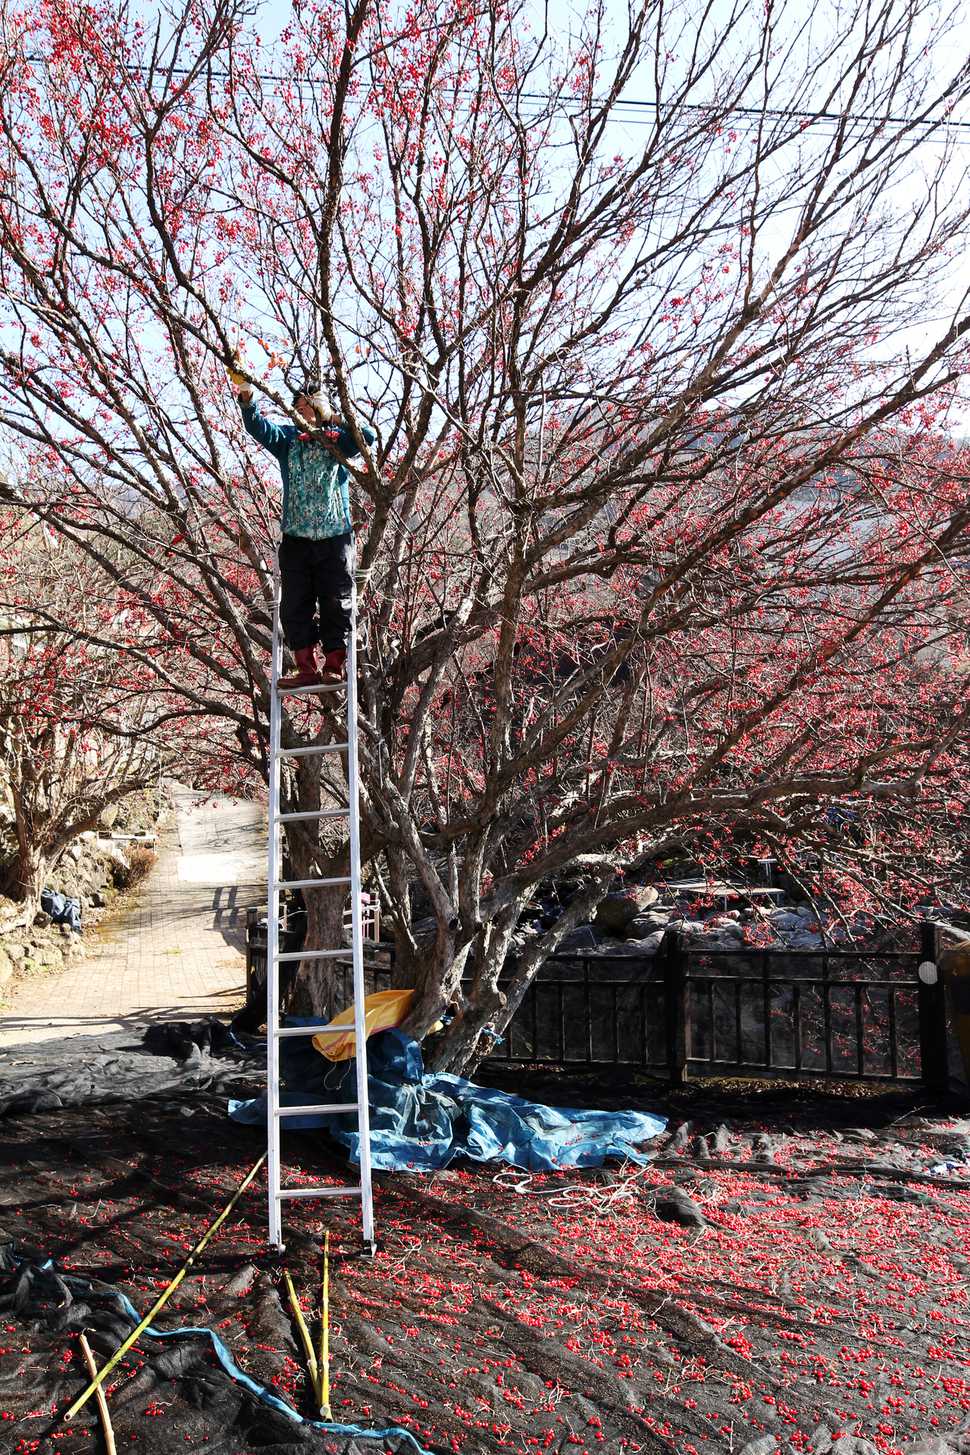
<point>80,726</point>
<point>652,316</point>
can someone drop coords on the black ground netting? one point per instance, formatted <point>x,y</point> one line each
<point>173,1390</point>
<point>168,1058</point>
<point>787,1278</point>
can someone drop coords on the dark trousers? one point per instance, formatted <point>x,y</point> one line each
<point>316,585</point>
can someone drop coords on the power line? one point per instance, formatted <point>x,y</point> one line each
<point>637,104</point>
<point>786,113</point>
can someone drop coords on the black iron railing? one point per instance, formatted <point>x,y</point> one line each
<point>843,1016</point>
<point>838,1015</point>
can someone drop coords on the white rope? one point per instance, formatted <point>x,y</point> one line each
<point>600,1199</point>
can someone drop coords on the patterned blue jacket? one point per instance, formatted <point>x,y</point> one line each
<point>316,495</point>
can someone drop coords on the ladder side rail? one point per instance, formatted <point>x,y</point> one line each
<point>274,868</point>
<point>360,1028</point>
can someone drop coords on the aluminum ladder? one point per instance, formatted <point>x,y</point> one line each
<point>277,1114</point>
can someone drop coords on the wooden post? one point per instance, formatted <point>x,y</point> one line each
<point>675,999</point>
<point>252,917</point>
<point>932,1015</point>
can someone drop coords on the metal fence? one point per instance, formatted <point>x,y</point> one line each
<point>846,1015</point>
<point>687,1011</point>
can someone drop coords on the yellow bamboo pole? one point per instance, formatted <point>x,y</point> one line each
<point>305,1339</point>
<point>159,1303</point>
<point>109,1434</point>
<point>324,1359</point>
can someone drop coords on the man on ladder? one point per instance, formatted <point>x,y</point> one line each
<point>316,553</point>
<point>315,601</point>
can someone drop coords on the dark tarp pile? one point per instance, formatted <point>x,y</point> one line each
<point>422,1120</point>
<point>48,1303</point>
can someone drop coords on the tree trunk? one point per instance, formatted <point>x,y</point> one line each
<point>24,877</point>
<point>488,1010</point>
<point>466,1040</point>
<point>319,983</point>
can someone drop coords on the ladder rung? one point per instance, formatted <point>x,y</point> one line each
<point>316,748</point>
<point>303,816</point>
<point>312,883</point>
<point>313,1030</point>
<point>327,1106</point>
<point>313,954</point>
<point>319,1192</point>
<point>312,690</point>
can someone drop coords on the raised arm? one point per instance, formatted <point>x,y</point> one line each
<point>274,437</point>
<point>346,443</point>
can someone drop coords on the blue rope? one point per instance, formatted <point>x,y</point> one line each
<point>239,1375</point>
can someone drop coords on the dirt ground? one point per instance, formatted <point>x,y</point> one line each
<point>788,1275</point>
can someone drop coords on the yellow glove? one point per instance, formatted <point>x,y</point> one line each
<point>237,380</point>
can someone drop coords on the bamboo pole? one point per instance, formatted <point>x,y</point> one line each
<point>323,1361</point>
<point>305,1339</point>
<point>109,1434</point>
<point>159,1303</point>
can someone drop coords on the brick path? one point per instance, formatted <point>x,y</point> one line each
<point>177,952</point>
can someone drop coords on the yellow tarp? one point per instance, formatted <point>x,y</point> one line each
<point>382,1011</point>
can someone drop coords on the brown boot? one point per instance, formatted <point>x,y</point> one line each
<point>334,665</point>
<point>306,674</point>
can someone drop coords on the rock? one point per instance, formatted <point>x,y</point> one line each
<point>763,1147</point>
<point>785,919</point>
<point>820,1440</point>
<point>583,939</point>
<point>673,1205</point>
<point>617,910</point>
<point>96,899</point>
<point>761,1445</point>
<point>646,924</point>
<point>66,931</point>
<point>852,1445</point>
<point>649,945</point>
<point>678,1140</point>
<point>48,956</point>
<point>15,952</point>
<point>725,927</point>
<point>41,919</point>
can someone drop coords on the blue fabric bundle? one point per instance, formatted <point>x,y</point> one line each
<point>63,911</point>
<point>422,1120</point>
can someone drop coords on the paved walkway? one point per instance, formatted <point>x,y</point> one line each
<point>178,952</point>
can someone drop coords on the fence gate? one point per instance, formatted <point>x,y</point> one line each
<point>846,1015</point>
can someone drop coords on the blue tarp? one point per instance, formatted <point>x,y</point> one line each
<point>61,909</point>
<point>425,1120</point>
